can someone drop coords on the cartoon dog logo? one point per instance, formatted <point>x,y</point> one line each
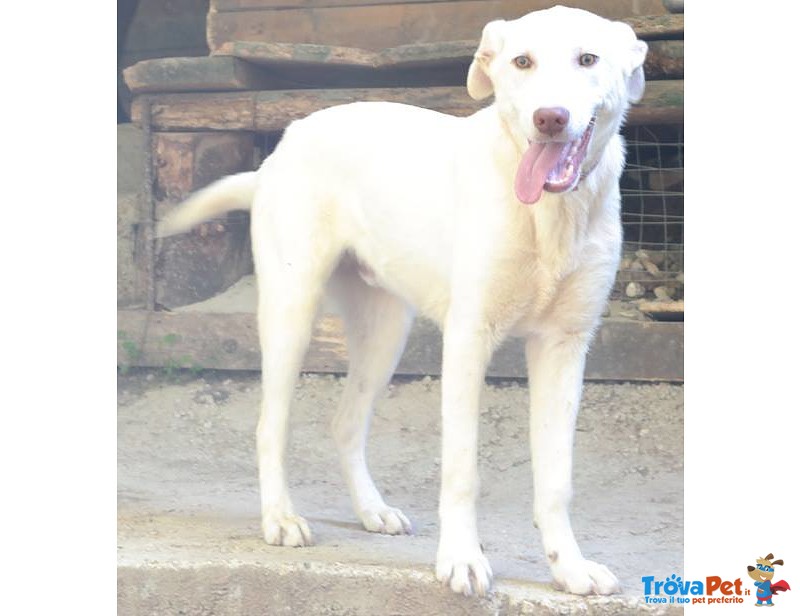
<point>763,573</point>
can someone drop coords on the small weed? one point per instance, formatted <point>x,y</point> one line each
<point>171,339</point>
<point>172,365</point>
<point>132,352</point>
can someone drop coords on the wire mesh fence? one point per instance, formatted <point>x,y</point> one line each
<point>652,215</point>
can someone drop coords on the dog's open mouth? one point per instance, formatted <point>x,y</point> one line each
<point>554,166</point>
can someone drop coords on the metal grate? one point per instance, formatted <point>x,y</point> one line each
<point>652,214</point>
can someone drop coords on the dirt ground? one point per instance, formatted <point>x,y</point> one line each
<point>187,476</point>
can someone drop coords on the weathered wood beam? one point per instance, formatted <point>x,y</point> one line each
<point>662,55</point>
<point>600,6</point>
<point>244,66</point>
<point>274,110</point>
<point>377,26</point>
<point>219,73</point>
<point>653,27</point>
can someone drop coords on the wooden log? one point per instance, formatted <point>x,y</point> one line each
<point>274,110</point>
<point>387,25</point>
<point>195,74</point>
<point>622,349</point>
<point>195,266</point>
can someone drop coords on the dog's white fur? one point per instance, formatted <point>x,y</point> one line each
<point>394,209</point>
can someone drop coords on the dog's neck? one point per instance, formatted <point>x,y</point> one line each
<point>560,222</point>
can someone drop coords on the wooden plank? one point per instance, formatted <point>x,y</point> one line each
<point>367,27</point>
<point>664,58</point>
<point>424,54</point>
<point>663,310</point>
<point>188,112</point>
<point>243,66</point>
<point>274,110</point>
<point>624,7</point>
<point>298,55</point>
<point>304,66</point>
<point>194,74</point>
<point>249,5</point>
<point>652,27</point>
<point>195,266</point>
<point>223,6</point>
<point>377,27</point>
<point>622,350</point>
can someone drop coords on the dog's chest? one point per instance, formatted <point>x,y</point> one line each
<point>532,274</point>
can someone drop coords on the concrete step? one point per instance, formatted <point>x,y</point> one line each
<point>189,538</point>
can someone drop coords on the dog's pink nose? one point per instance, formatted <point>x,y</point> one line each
<point>550,120</point>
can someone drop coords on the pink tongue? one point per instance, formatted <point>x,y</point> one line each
<point>536,164</point>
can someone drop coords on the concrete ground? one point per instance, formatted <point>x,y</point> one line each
<point>189,539</point>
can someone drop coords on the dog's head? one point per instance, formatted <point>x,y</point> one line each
<point>764,569</point>
<point>562,79</point>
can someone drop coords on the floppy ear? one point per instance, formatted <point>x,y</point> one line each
<point>635,52</point>
<point>636,78</point>
<point>479,85</point>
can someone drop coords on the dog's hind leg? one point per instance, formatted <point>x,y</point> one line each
<point>377,325</point>
<point>294,256</point>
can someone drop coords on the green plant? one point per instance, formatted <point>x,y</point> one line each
<point>131,350</point>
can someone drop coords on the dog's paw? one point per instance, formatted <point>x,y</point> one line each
<point>465,570</point>
<point>584,577</point>
<point>286,529</point>
<point>386,520</point>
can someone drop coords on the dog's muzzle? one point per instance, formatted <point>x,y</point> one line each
<point>554,166</point>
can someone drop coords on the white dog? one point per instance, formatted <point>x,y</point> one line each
<point>502,223</point>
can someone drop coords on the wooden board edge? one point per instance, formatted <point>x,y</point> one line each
<point>275,109</point>
<point>298,55</point>
<point>622,350</point>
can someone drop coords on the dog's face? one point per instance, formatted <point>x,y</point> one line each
<point>764,569</point>
<point>562,80</point>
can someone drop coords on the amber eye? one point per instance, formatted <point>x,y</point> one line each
<point>588,59</point>
<point>523,62</point>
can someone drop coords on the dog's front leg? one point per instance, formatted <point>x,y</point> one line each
<point>460,561</point>
<point>555,370</point>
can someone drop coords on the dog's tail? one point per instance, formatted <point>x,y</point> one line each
<point>234,192</point>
